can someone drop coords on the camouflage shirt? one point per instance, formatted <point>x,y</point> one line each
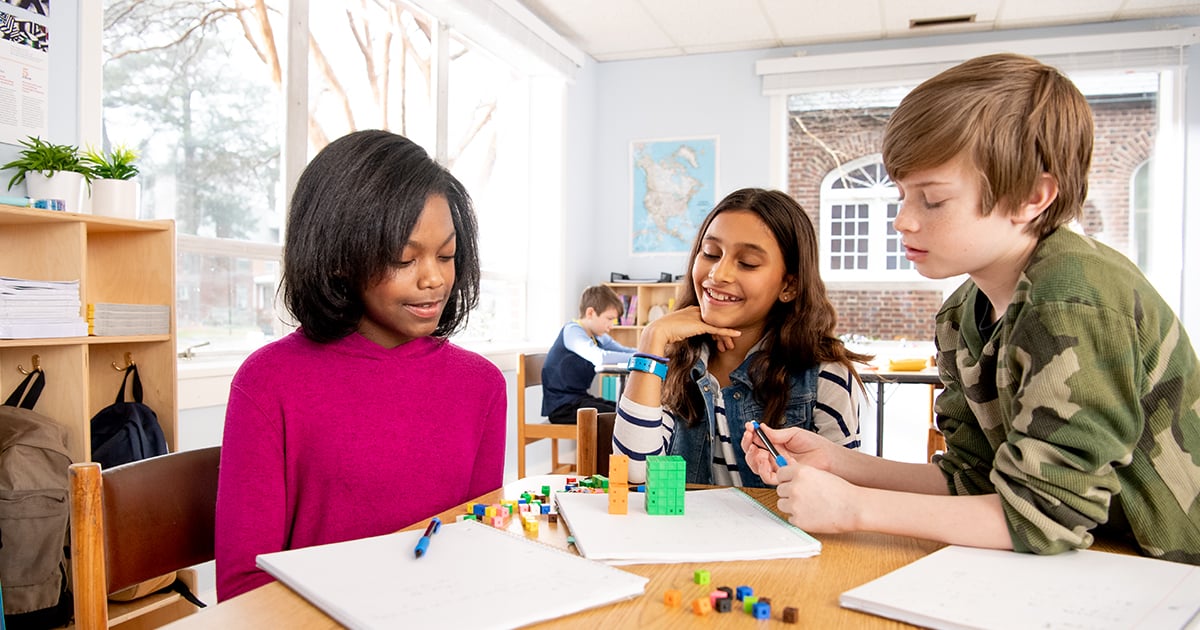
<point>1082,409</point>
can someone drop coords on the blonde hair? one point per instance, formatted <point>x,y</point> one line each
<point>1014,117</point>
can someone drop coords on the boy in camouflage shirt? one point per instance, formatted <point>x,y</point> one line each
<point>1072,399</point>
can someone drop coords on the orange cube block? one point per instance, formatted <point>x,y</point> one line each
<point>618,470</point>
<point>618,499</point>
<point>673,598</point>
<point>701,606</point>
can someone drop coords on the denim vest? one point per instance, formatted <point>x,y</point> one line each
<point>695,443</point>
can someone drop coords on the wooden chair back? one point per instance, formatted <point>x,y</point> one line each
<point>595,432</point>
<point>529,374</point>
<point>138,521</point>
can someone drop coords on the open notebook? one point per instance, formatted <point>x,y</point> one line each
<point>963,587</point>
<point>720,524</point>
<point>471,576</point>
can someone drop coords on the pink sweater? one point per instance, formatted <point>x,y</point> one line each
<point>331,442</point>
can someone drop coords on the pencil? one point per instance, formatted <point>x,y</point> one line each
<point>779,459</point>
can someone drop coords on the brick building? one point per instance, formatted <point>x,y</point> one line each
<point>820,141</point>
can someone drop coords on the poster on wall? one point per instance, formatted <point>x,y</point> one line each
<point>24,75</point>
<point>674,187</point>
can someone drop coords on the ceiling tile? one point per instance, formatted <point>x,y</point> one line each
<point>603,27</point>
<point>799,23</point>
<point>693,24</point>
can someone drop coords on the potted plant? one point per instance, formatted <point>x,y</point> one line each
<point>114,191</point>
<point>50,171</point>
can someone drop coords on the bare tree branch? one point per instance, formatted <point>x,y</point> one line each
<point>206,20</point>
<point>336,87</point>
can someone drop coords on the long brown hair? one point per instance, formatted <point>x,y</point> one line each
<point>797,334</point>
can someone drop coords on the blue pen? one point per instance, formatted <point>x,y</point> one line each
<point>770,447</point>
<point>423,544</point>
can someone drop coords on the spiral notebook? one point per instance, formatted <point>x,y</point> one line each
<point>471,576</point>
<point>720,524</point>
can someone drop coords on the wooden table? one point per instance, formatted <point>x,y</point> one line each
<point>928,376</point>
<point>812,585</point>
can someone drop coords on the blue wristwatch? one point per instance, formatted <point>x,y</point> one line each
<point>645,364</point>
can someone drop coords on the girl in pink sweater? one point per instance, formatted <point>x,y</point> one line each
<point>366,419</point>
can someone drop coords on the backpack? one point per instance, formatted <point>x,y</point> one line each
<point>126,432</point>
<point>34,512</point>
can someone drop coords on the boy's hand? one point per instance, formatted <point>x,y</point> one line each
<point>818,501</point>
<point>795,444</point>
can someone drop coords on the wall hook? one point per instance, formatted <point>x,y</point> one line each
<point>37,366</point>
<point>128,363</point>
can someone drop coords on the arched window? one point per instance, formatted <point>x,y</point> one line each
<point>858,203</point>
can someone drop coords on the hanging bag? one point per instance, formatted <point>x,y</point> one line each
<point>126,432</point>
<point>34,511</point>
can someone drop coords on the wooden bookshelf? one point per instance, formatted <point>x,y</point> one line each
<point>649,295</point>
<point>115,260</point>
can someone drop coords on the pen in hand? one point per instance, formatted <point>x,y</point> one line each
<point>770,447</point>
<point>434,525</point>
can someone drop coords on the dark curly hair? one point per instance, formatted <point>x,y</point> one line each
<point>354,208</point>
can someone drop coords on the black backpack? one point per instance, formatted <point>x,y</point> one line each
<point>34,512</point>
<point>126,432</point>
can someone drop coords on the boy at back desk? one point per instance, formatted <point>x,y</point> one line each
<point>1072,393</point>
<point>582,345</point>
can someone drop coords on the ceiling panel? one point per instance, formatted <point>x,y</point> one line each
<point>633,29</point>
<point>690,23</point>
<point>800,23</point>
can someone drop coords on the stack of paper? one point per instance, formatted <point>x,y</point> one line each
<point>34,309</point>
<point>128,319</point>
<point>963,587</point>
<point>721,524</point>
<point>471,576</point>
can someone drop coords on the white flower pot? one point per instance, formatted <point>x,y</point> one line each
<point>65,185</point>
<point>116,198</point>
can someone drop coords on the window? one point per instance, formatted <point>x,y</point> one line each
<point>858,204</point>
<point>196,87</point>
<point>1134,202</point>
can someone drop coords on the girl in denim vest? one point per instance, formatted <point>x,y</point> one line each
<point>750,339</point>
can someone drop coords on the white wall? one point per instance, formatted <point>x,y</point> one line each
<point>720,94</point>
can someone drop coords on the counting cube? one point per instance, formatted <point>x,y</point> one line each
<point>790,615</point>
<point>701,606</point>
<point>701,577</point>
<point>672,598</point>
<point>761,610</point>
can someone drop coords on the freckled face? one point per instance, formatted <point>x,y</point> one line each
<point>408,301</point>
<point>739,272</point>
<point>943,228</point>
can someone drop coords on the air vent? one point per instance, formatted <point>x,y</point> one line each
<point>941,21</point>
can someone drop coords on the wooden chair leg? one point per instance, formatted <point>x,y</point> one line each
<point>87,548</point>
<point>521,457</point>
<point>553,455</point>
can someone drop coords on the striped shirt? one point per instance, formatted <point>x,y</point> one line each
<point>642,430</point>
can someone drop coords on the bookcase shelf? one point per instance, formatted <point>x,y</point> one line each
<point>649,295</point>
<point>115,260</point>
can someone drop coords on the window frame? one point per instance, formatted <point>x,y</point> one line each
<point>881,198</point>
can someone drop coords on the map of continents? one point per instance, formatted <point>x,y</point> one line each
<point>673,188</point>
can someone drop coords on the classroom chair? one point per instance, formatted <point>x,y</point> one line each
<point>595,434</point>
<point>935,442</point>
<point>135,522</point>
<point>529,374</point>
